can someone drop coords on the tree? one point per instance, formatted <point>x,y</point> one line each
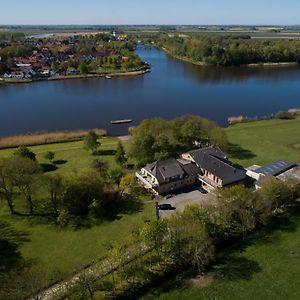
<point>128,181</point>
<point>120,155</point>
<point>91,141</point>
<point>25,174</point>
<point>49,155</point>
<point>235,215</point>
<point>83,68</point>
<point>100,166</point>
<point>7,186</point>
<point>114,175</point>
<point>55,187</point>
<point>23,151</point>
<point>81,192</point>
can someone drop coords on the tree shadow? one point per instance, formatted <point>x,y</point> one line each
<point>123,205</point>
<point>10,242</point>
<point>48,167</point>
<point>60,162</point>
<point>236,151</point>
<point>104,153</point>
<point>233,267</point>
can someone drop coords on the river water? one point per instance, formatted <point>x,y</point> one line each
<point>173,88</point>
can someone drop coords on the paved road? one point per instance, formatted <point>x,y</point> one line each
<point>180,201</point>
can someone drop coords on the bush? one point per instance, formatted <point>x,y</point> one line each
<point>284,115</point>
<point>114,175</point>
<point>81,192</point>
<point>23,151</point>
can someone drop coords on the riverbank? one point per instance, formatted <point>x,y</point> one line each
<point>81,76</point>
<point>45,138</point>
<point>203,64</point>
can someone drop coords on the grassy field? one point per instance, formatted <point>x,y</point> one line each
<point>64,250</point>
<point>264,141</point>
<point>71,156</point>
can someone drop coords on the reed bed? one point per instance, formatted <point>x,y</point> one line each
<point>41,138</point>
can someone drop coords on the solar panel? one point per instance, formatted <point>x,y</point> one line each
<point>275,168</point>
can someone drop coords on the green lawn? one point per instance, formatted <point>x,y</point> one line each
<point>72,155</point>
<point>65,250</point>
<point>265,141</point>
<point>264,266</point>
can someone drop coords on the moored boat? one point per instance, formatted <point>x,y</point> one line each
<point>123,121</point>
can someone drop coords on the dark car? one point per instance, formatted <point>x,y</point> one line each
<point>168,196</point>
<point>203,191</point>
<point>165,207</point>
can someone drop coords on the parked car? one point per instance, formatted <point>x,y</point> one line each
<point>203,191</point>
<point>168,196</point>
<point>166,207</point>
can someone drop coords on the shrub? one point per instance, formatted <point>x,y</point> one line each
<point>23,151</point>
<point>284,115</point>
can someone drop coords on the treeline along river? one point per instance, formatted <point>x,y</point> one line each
<point>172,88</point>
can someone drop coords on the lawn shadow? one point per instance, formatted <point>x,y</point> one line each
<point>104,153</point>
<point>60,162</point>
<point>236,151</point>
<point>48,168</point>
<point>10,242</point>
<point>233,267</point>
<point>124,205</point>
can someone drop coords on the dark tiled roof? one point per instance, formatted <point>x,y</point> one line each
<point>165,169</point>
<point>222,168</point>
<point>198,155</point>
<point>172,169</point>
<point>276,168</point>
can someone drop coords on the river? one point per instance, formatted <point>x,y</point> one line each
<point>173,88</point>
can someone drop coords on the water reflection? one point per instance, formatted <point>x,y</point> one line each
<point>173,88</point>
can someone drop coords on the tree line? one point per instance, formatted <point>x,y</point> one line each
<point>156,138</point>
<point>91,193</point>
<point>229,50</point>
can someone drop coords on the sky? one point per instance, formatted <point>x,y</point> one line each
<point>107,12</point>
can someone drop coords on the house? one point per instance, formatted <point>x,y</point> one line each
<point>165,176</point>
<point>72,71</point>
<point>16,75</point>
<point>207,166</point>
<point>216,170</point>
<point>279,169</point>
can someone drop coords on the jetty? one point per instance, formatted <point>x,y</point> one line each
<point>123,121</point>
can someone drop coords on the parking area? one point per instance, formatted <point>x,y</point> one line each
<point>180,201</point>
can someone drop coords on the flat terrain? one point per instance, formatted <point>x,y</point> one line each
<point>71,156</point>
<point>264,141</point>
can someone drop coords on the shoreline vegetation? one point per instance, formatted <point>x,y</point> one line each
<point>44,138</point>
<point>136,72</point>
<point>226,51</point>
<point>252,65</point>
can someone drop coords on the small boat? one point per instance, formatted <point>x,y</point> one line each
<point>121,121</point>
<point>108,77</point>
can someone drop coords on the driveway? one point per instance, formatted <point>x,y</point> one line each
<point>180,201</point>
